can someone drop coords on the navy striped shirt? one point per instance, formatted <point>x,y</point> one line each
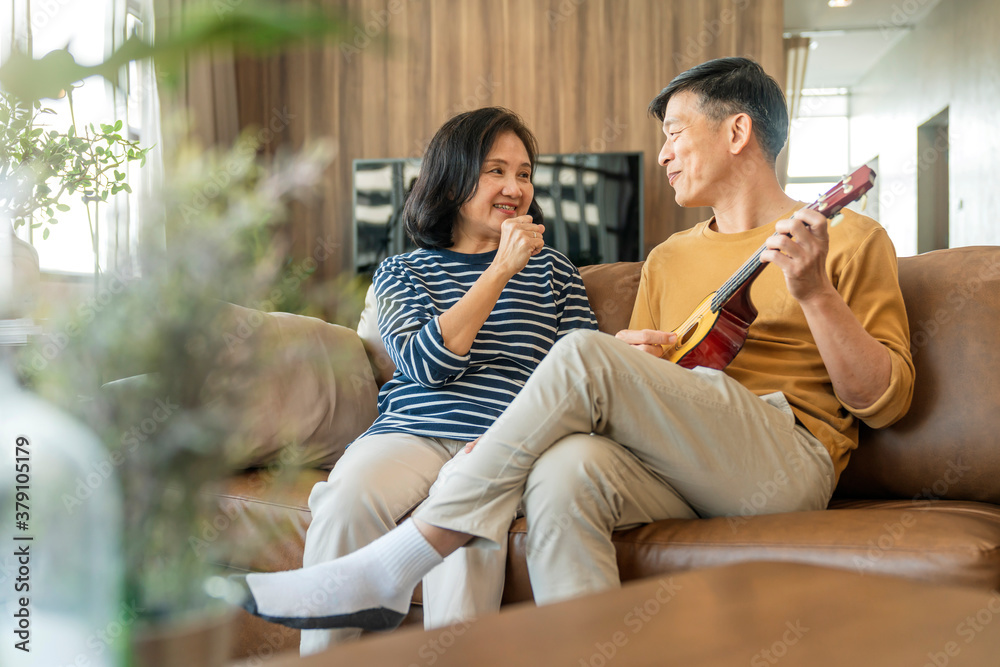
<point>437,393</point>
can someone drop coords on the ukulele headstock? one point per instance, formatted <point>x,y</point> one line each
<point>850,189</point>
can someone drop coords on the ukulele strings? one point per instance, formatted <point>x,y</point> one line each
<point>736,281</point>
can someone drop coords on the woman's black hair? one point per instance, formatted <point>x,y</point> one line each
<point>449,173</point>
<point>728,86</point>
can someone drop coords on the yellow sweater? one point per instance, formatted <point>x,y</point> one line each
<point>780,353</point>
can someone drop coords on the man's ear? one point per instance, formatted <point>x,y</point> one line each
<point>740,133</point>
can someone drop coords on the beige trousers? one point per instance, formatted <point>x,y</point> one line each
<point>379,480</point>
<point>708,445</point>
<point>578,491</point>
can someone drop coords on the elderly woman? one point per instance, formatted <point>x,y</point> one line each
<point>466,319</point>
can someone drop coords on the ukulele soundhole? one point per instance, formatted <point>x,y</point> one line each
<point>687,336</point>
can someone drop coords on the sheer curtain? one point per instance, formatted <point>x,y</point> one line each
<point>199,101</point>
<point>796,56</point>
<point>134,220</point>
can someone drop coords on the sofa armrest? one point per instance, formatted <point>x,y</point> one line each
<point>307,385</point>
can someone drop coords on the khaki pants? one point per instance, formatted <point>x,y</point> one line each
<point>379,480</point>
<point>709,447</point>
<point>578,491</point>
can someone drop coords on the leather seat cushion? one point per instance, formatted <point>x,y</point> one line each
<point>941,541</point>
<point>955,542</point>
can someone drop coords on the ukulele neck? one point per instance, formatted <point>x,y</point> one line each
<point>749,271</point>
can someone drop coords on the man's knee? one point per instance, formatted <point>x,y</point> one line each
<point>574,471</point>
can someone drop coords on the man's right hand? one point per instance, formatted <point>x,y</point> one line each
<point>649,341</point>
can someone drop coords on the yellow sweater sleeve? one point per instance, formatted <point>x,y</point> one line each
<point>877,302</point>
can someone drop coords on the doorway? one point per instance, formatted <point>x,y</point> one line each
<point>932,184</point>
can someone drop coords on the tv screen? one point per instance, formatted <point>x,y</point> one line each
<point>591,203</point>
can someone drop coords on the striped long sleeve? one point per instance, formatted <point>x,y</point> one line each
<point>437,393</point>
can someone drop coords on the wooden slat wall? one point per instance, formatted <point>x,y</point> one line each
<point>580,72</point>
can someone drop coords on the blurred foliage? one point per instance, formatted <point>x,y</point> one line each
<point>218,212</point>
<point>247,26</point>
<point>171,325</point>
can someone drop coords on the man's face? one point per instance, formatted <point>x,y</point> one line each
<point>695,152</point>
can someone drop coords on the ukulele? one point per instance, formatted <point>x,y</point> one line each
<point>717,329</point>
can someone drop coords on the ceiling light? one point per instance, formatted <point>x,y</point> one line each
<point>839,3</point>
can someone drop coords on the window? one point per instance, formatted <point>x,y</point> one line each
<point>91,30</point>
<point>818,144</point>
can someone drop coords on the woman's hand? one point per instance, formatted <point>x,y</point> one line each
<point>470,445</point>
<point>520,240</point>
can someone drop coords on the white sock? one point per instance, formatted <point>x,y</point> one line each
<point>370,588</point>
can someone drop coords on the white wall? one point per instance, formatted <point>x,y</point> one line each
<point>951,59</point>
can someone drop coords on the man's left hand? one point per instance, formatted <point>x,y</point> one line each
<point>799,249</point>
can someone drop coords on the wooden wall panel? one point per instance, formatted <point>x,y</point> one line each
<point>581,73</point>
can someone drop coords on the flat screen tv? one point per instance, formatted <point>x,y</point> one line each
<point>591,203</point>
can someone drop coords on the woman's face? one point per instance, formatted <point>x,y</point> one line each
<point>505,191</point>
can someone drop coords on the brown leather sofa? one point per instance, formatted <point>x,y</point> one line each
<point>920,499</point>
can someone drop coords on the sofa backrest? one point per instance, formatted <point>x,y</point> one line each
<point>611,290</point>
<point>948,445</point>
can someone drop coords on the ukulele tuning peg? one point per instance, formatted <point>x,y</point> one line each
<point>836,220</point>
<point>863,202</point>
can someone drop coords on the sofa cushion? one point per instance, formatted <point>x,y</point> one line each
<point>307,388</point>
<point>382,364</point>
<point>611,290</point>
<point>266,517</point>
<point>266,514</point>
<point>942,541</point>
<point>946,446</point>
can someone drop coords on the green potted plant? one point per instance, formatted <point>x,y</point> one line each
<point>161,331</point>
<point>151,375</point>
<point>41,167</point>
